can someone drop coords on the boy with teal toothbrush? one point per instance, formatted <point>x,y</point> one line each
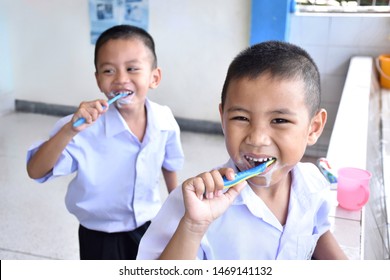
<point>270,112</point>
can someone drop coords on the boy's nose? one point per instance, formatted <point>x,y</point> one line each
<point>258,136</point>
<point>122,77</point>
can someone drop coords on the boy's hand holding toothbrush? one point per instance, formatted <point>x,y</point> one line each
<point>204,196</point>
<point>89,111</point>
<point>205,199</point>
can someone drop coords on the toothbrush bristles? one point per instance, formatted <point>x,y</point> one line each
<point>124,93</point>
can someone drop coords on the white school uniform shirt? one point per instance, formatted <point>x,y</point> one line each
<point>248,229</point>
<point>116,187</point>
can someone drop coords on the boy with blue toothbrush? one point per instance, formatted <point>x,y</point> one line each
<point>118,152</point>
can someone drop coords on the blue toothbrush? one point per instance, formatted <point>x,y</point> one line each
<point>80,121</point>
<point>247,174</point>
<point>328,172</point>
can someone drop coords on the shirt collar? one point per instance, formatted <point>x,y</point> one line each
<point>297,183</point>
<point>254,203</point>
<point>115,124</point>
<point>304,186</point>
<point>301,192</point>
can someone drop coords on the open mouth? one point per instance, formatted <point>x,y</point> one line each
<point>257,161</point>
<point>126,92</point>
<point>125,97</point>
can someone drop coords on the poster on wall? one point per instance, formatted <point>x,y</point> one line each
<point>107,13</point>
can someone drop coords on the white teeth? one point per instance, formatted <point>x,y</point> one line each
<point>258,159</point>
<point>125,92</point>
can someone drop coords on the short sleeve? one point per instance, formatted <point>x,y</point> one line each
<point>162,227</point>
<point>65,164</point>
<point>174,157</point>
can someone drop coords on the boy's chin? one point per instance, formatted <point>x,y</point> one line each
<point>257,183</point>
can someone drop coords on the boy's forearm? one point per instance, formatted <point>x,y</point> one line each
<point>328,249</point>
<point>184,244</point>
<point>47,155</point>
<point>170,178</point>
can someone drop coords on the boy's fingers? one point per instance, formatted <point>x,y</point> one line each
<point>100,105</point>
<point>209,184</point>
<point>82,112</point>
<point>94,114</point>
<point>218,181</point>
<point>228,173</point>
<point>199,186</point>
<point>234,191</point>
<point>91,111</point>
<point>104,105</point>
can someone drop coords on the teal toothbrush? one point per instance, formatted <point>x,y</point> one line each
<point>247,174</point>
<point>80,121</point>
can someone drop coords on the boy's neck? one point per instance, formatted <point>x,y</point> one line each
<point>277,198</point>
<point>136,119</point>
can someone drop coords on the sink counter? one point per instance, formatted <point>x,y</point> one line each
<point>356,141</point>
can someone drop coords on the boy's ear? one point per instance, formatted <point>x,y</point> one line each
<point>97,80</point>
<point>317,125</point>
<point>155,78</point>
<point>221,116</point>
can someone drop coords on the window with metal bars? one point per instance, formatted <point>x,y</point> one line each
<point>363,6</point>
<point>344,3</point>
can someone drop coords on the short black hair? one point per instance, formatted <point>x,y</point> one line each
<point>126,32</point>
<point>279,59</point>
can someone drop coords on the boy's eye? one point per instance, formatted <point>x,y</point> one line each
<point>108,71</point>
<point>278,121</point>
<point>131,69</point>
<point>240,118</point>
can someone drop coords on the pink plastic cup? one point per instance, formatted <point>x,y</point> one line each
<point>353,188</point>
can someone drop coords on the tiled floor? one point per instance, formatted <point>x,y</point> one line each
<point>34,223</point>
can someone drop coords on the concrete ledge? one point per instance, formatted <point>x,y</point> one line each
<point>348,142</point>
<point>43,108</point>
<point>63,110</point>
<point>356,141</point>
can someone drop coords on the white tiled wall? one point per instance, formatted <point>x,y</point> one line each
<point>332,39</point>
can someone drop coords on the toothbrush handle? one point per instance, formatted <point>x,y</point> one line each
<point>243,175</point>
<point>79,122</point>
